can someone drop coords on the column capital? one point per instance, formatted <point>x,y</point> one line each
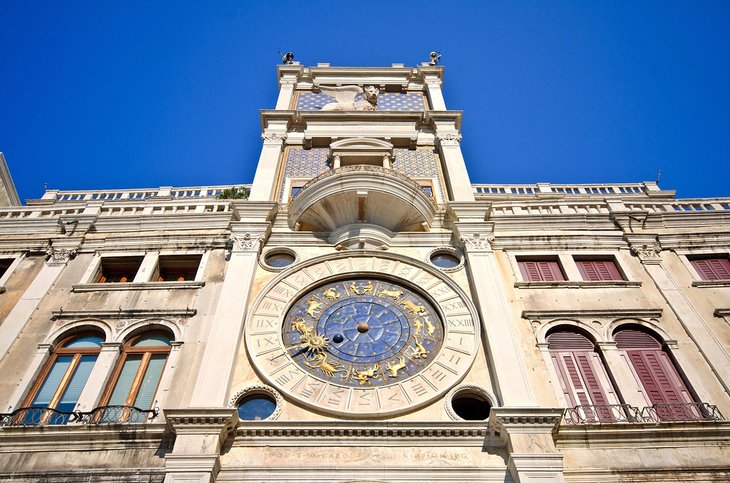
<point>220,421</point>
<point>449,139</point>
<point>274,137</point>
<point>646,247</point>
<point>59,256</point>
<point>477,242</point>
<point>247,242</point>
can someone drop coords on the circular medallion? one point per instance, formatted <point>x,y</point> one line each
<point>362,335</point>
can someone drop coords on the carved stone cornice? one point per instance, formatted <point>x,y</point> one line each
<point>201,420</point>
<point>123,313</point>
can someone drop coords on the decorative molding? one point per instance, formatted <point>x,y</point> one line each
<point>476,242</point>
<point>525,417</point>
<point>274,251</point>
<point>122,313</point>
<point>204,419</point>
<point>711,283</point>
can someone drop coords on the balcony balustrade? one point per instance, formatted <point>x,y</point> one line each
<point>624,413</point>
<point>97,416</point>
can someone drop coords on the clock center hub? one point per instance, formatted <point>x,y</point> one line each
<point>363,327</point>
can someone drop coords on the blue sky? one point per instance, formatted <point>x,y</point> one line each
<point>143,94</point>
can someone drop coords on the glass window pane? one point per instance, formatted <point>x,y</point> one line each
<point>126,378</point>
<point>78,381</point>
<point>154,340</point>
<point>149,382</point>
<point>50,385</point>
<point>89,341</point>
<point>256,407</point>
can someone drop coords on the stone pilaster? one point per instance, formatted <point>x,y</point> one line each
<point>528,434</point>
<point>199,436</point>
<point>211,387</point>
<point>31,299</point>
<point>502,340</point>
<point>262,188</point>
<point>457,177</point>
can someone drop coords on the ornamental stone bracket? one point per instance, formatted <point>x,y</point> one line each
<point>528,434</point>
<point>199,436</point>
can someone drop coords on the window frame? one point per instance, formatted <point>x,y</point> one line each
<point>57,350</point>
<point>147,352</point>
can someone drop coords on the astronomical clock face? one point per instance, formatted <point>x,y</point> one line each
<point>365,344</point>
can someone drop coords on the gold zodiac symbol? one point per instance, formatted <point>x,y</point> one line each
<point>430,328</point>
<point>417,350</point>
<point>365,375</point>
<point>394,367</point>
<point>362,289</point>
<point>412,307</point>
<point>301,326</point>
<point>419,325</point>
<point>313,307</point>
<point>394,294</point>
<point>331,293</point>
<point>320,361</point>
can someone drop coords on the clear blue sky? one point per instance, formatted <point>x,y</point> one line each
<point>143,94</point>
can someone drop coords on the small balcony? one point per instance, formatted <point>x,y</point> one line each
<point>361,194</point>
<point>624,413</point>
<point>101,415</point>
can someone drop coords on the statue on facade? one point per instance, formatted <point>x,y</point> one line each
<point>345,98</point>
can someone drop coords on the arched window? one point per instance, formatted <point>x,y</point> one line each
<point>136,376</point>
<point>62,379</point>
<point>656,372</point>
<point>583,377</point>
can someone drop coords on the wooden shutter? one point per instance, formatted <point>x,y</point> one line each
<point>712,268</point>
<point>540,270</point>
<point>656,372</point>
<point>583,377</point>
<point>596,270</point>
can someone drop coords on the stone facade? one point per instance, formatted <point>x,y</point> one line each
<point>366,313</point>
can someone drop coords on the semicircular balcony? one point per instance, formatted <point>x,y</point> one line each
<point>361,194</point>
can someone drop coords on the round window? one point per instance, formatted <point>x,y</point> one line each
<point>470,406</point>
<point>256,407</point>
<point>445,260</point>
<point>279,259</point>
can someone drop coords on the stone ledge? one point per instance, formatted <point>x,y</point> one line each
<point>711,283</point>
<point>691,433</point>
<point>122,313</point>
<point>108,287</point>
<point>580,284</point>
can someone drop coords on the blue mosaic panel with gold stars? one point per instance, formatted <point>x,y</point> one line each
<point>362,332</point>
<point>387,101</point>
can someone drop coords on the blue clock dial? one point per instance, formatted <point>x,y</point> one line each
<point>362,332</point>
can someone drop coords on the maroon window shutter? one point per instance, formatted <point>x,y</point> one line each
<point>712,268</point>
<point>551,271</point>
<point>596,270</point>
<point>529,271</point>
<point>656,372</point>
<point>576,363</point>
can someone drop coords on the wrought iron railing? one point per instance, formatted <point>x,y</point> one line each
<point>681,412</point>
<point>100,415</point>
<point>625,413</point>
<point>607,413</point>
